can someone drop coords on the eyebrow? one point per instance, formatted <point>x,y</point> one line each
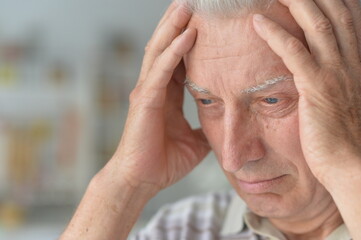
<point>195,87</point>
<point>266,84</point>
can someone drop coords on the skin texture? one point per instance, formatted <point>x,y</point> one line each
<point>295,159</point>
<point>327,77</point>
<point>255,141</point>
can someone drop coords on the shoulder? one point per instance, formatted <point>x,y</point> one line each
<point>196,217</point>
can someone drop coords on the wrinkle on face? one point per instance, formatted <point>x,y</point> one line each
<point>229,57</point>
<point>238,56</point>
<point>261,87</point>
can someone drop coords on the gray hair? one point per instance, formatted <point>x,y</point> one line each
<point>227,8</point>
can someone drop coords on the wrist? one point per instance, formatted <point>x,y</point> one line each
<point>109,208</point>
<point>114,181</point>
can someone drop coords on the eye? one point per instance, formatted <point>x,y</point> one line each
<point>271,100</point>
<point>206,101</point>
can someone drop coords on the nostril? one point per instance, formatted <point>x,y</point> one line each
<point>235,156</point>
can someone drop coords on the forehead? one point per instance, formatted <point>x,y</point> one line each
<point>229,48</point>
<point>219,37</point>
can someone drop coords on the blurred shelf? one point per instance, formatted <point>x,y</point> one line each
<point>32,101</point>
<point>47,223</point>
<point>36,93</point>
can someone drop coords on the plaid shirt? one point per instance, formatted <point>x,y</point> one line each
<point>215,216</point>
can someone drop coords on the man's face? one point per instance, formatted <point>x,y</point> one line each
<point>254,135</point>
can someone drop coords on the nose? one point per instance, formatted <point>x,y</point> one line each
<point>242,141</point>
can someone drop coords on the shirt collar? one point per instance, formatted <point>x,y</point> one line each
<point>239,218</point>
<point>234,222</point>
<point>341,233</point>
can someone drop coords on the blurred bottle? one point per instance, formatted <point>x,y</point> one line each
<point>10,55</point>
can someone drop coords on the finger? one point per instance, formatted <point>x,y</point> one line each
<point>175,93</point>
<point>355,8</point>
<point>173,6</point>
<point>167,32</point>
<point>171,9</point>
<point>343,27</point>
<point>292,51</point>
<point>175,97</point>
<point>163,68</point>
<point>317,28</point>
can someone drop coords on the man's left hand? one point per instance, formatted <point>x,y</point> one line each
<point>327,74</point>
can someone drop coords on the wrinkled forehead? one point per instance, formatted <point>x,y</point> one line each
<point>229,33</point>
<point>225,44</point>
<point>232,44</point>
<point>221,37</point>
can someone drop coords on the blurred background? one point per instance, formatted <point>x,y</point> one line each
<point>66,70</point>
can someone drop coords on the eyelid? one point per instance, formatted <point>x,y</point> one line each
<point>278,110</point>
<point>278,100</point>
<point>214,102</point>
<point>203,100</point>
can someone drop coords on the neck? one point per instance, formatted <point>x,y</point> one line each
<point>315,226</point>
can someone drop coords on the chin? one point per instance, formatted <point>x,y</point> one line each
<point>272,205</point>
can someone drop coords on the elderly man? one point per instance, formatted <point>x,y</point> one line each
<point>277,84</point>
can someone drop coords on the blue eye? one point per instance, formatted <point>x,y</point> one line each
<point>206,101</point>
<point>271,100</point>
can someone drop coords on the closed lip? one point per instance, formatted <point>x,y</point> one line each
<point>260,186</point>
<point>261,180</point>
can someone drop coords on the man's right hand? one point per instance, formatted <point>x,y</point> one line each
<point>158,146</point>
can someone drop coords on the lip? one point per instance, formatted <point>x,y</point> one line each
<point>263,186</point>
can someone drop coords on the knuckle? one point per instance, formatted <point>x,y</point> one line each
<point>175,25</point>
<point>346,19</point>
<point>134,94</point>
<point>147,47</point>
<point>294,46</point>
<point>153,50</point>
<point>322,25</point>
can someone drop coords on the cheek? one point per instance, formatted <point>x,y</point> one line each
<point>282,136</point>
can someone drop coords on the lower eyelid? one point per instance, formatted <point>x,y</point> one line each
<point>279,111</point>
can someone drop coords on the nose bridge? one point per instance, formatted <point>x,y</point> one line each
<point>241,141</point>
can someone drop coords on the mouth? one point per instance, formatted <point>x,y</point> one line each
<point>261,186</point>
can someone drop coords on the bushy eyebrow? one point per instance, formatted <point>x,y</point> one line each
<point>195,87</point>
<point>266,84</point>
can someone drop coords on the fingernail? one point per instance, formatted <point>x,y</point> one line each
<point>257,22</point>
